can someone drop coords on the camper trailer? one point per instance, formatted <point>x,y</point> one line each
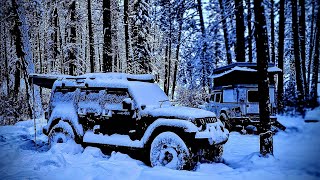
<point>235,96</point>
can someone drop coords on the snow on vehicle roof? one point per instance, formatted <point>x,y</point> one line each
<point>48,80</point>
<point>113,80</point>
<point>129,77</point>
<point>141,87</point>
<point>244,69</point>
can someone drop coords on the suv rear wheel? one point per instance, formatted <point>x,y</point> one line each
<point>61,133</point>
<point>169,150</point>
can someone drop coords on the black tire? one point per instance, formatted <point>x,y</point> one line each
<point>225,121</point>
<point>61,133</point>
<point>169,150</point>
<point>217,153</point>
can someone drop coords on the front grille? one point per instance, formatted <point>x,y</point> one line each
<point>203,121</point>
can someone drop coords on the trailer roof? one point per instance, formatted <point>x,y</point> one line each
<point>241,64</point>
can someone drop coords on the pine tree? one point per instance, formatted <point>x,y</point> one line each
<point>249,31</point>
<point>297,60</point>
<point>316,59</point>
<point>302,39</point>
<point>140,35</point>
<point>266,144</point>
<point>91,40</point>
<point>280,55</point>
<point>107,40</point>
<point>240,45</point>
<point>225,31</point>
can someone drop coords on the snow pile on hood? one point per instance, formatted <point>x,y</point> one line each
<point>180,112</point>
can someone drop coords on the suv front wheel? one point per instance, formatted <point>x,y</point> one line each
<point>169,150</point>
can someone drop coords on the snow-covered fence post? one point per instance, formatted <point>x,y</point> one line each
<point>266,143</point>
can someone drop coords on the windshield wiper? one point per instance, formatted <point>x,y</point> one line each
<point>162,101</point>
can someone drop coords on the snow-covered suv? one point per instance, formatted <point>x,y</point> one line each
<point>132,112</point>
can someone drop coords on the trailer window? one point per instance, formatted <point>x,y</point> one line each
<point>253,96</point>
<point>218,97</point>
<point>212,97</point>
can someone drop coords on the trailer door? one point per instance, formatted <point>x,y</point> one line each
<point>253,102</point>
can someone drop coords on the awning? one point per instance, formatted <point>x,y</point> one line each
<point>45,80</point>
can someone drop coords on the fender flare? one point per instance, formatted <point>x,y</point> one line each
<point>224,110</point>
<point>72,119</point>
<point>177,126</point>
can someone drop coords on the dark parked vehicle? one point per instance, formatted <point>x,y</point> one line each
<point>126,111</point>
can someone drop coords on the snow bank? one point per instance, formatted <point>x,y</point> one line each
<point>313,115</point>
<point>296,156</point>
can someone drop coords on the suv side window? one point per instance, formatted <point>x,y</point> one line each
<point>63,95</point>
<point>89,100</point>
<point>113,98</point>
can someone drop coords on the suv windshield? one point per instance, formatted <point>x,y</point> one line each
<point>149,94</point>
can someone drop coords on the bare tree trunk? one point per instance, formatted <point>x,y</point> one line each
<point>55,39</point>
<point>225,31</point>
<point>91,38</point>
<point>107,51</point>
<point>72,38</point>
<point>166,70</point>
<point>21,42</point>
<point>126,33</point>
<point>249,31</point>
<point>175,71</point>
<point>299,80</point>
<point>311,45</point>
<point>261,35</point>
<point>240,44</point>
<point>302,37</point>
<point>316,59</point>
<point>205,64</point>
<point>6,68</point>
<point>280,55</point>
<point>273,57</point>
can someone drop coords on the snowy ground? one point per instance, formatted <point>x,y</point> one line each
<point>296,157</point>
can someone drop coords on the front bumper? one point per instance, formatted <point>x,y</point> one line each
<point>215,134</point>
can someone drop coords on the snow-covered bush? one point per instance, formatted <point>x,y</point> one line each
<point>13,109</point>
<point>191,97</point>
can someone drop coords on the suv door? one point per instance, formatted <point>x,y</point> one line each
<point>116,118</point>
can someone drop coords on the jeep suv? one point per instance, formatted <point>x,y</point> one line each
<point>131,112</point>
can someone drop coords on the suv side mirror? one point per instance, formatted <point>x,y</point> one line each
<point>127,103</point>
